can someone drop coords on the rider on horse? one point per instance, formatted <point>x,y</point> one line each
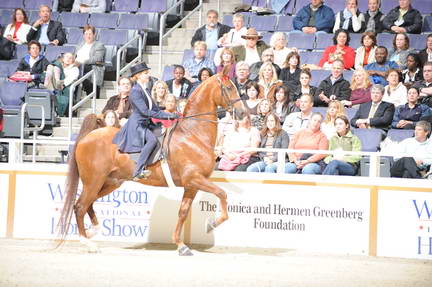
<point>136,135</point>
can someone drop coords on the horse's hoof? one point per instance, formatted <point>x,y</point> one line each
<point>94,230</point>
<point>91,246</point>
<point>185,251</point>
<point>210,225</point>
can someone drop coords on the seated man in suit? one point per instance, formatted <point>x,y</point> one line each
<point>46,31</point>
<point>376,114</point>
<point>425,86</point>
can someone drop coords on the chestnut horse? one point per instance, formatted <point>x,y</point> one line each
<point>102,168</point>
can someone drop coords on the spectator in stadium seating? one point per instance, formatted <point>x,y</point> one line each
<point>395,92</point>
<point>425,86</point>
<point>62,5</point>
<point>304,87</point>
<point>299,120</point>
<point>421,147</point>
<point>59,76</point>
<point>266,57</point>
<point>406,116</point>
<point>232,155</point>
<point>272,136</point>
<point>283,105</point>
<point>344,139</point>
<point>400,50</point>
<point>360,89</point>
<point>35,63</point>
<point>242,78</point>
<point>159,92</point>
<point>170,105</point>
<point>268,81</point>
<point>278,42</point>
<point>373,17</point>
<point>234,36</point>
<point>211,32</point>
<point>314,17</point>
<point>365,54</point>
<point>403,19</point>
<point>311,138</point>
<point>179,85</point>
<point>17,30</point>
<point>334,109</point>
<point>120,103</point>
<point>334,87</point>
<point>253,97</point>
<point>224,127</point>
<point>413,72</point>
<point>426,54</point>
<point>227,58</point>
<point>340,51</point>
<point>89,6</point>
<point>290,74</point>
<point>91,54</point>
<point>264,108</point>
<point>350,18</point>
<point>181,105</point>
<point>250,52</point>
<point>46,31</point>
<point>203,75</point>
<point>375,114</point>
<point>110,118</point>
<point>378,70</point>
<point>199,61</point>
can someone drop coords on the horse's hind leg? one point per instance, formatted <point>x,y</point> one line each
<point>202,183</point>
<point>185,206</point>
<point>95,224</point>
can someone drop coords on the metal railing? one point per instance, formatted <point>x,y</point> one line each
<point>162,23</point>
<point>35,130</point>
<point>138,58</point>
<point>92,96</point>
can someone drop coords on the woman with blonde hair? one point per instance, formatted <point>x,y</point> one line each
<point>360,89</point>
<point>263,109</point>
<point>159,92</point>
<point>227,58</point>
<point>278,42</point>
<point>268,81</point>
<point>335,108</point>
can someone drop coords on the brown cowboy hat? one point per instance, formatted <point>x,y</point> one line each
<point>251,33</point>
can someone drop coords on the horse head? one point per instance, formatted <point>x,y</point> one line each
<point>229,98</point>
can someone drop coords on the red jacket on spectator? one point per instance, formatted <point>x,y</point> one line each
<point>348,57</point>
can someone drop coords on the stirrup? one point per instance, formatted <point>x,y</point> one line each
<point>145,173</point>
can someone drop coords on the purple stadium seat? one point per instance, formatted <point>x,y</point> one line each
<point>370,138</point>
<point>263,23</point>
<point>318,76</point>
<point>385,39</point>
<point>100,20</point>
<point>310,57</point>
<point>321,110</point>
<point>53,52</point>
<point>387,5</point>
<point>355,40</point>
<point>266,37</point>
<point>112,37</point>
<point>134,22</point>
<point>417,41</point>
<point>323,40</point>
<point>350,112</point>
<point>397,135</point>
<point>363,6</point>
<point>167,73</point>
<point>7,68</point>
<point>155,6</point>
<point>259,3</point>
<point>302,41</point>
<point>74,36</point>
<point>424,6</point>
<point>11,4</point>
<point>336,5</point>
<point>5,16</point>
<point>285,24</point>
<point>289,9</point>
<point>227,20</point>
<point>427,24</point>
<point>348,75</point>
<point>70,19</point>
<point>21,51</point>
<point>11,94</point>
<point>34,4</point>
<point>126,5</point>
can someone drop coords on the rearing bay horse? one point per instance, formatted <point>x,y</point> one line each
<point>102,168</point>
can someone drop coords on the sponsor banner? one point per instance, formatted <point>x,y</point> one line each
<point>133,212</point>
<point>404,224</point>
<point>4,190</point>
<point>313,218</point>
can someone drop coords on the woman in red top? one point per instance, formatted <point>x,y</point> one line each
<point>170,104</point>
<point>340,50</point>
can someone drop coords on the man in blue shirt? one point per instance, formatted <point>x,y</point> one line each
<point>378,70</point>
<point>314,17</point>
<point>198,61</point>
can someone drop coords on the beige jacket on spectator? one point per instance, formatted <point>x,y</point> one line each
<point>360,52</point>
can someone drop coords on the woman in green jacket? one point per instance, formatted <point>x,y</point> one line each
<point>344,140</point>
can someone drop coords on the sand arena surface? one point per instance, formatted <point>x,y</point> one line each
<point>30,263</point>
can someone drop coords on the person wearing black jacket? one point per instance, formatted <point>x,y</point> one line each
<point>212,29</point>
<point>179,85</point>
<point>52,35</point>
<point>373,18</point>
<point>334,87</point>
<point>34,62</point>
<point>426,54</point>
<point>411,21</point>
<point>63,5</point>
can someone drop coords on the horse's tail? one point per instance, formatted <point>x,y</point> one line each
<point>90,123</point>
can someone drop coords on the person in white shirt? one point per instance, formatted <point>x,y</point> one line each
<point>89,6</point>
<point>17,30</point>
<point>395,92</point>
<point>278,42</point>
<point>299,120</point>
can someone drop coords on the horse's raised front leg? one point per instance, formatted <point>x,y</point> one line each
<point>184,210</point>
<point>202,183</point>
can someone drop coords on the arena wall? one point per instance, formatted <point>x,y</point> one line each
<point>326,214</point>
